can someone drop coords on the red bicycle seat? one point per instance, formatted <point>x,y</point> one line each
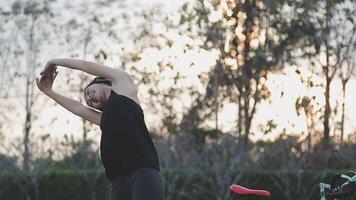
<point>242,191</point>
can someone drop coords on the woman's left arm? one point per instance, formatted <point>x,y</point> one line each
<point>96,69</point>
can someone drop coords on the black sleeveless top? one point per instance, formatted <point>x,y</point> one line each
<point>126,144</point>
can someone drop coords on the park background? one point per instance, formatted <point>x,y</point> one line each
<point>255,92</point>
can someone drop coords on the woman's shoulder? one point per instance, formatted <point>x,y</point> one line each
<point>129,98</point>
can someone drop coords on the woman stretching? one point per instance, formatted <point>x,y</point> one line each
<point>127,151</point>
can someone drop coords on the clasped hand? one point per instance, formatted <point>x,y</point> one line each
<point>47,77</point>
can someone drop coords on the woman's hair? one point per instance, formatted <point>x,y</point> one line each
<point>99,80</point>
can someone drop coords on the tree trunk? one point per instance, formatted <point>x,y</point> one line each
<point>246,118</point>
<point>26,153</point>
<point>343,110</point>
<point>246,70</point>
<point>310,124</point>
<point>29,99</point>
<point>327,111</point>
<point>216,94</point>
<point>85,49</point>
<point>329,74</point>
<point>239,121</point>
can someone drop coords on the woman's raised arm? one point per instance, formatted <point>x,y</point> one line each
<point>45,85</point>
<point>76,107</point>
<point>96,69</point>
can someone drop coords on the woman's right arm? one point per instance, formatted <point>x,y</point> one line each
<point>45,84</point>
<point>76,107</point>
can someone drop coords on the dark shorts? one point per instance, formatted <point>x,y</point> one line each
<point>142,184</point>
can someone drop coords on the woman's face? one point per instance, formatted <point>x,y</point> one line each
<point>94,96</point>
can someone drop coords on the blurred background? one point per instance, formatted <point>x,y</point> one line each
<point>254,92</point>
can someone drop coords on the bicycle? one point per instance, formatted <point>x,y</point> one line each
<point>341,186</point>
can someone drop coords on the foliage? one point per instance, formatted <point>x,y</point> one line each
<point>253,38</point>
<point>329,41</point>
<point>283,185</point>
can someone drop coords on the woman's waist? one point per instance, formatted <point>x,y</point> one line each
<point>129,175</point>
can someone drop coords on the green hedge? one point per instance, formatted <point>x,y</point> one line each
<point>59,185</point>
<point>183,183</point>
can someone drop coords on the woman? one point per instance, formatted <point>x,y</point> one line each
<point>127,151</point>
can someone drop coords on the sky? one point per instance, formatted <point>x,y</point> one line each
<point>281,109</point>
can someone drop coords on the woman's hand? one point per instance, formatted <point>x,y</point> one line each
<point>45,83</point>
<point>49,69</point>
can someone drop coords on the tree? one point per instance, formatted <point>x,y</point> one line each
<point>323,47</point>
<point>29,181</point>
<point>346,47</point>
<point>253,38</point>
<point>160,76</point>
<point>26,19</point>
<point>329,68</point>
<point>26,32</point>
